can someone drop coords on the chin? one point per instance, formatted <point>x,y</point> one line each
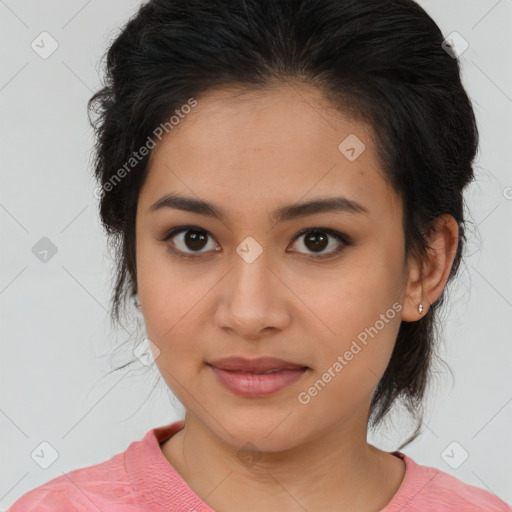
<point>260,432</point>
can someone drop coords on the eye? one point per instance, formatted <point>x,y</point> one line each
<point>191,237</point>
<point>317,239</point>
<point>195,239</point>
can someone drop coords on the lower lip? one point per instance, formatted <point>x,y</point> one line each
<point>256,385</point>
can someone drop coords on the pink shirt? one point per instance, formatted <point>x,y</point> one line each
<point>141,479</point>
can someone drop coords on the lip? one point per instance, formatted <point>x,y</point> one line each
<point>257,365</point>
<point>244,377</point>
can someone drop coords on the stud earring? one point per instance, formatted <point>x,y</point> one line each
<point>420,308</point>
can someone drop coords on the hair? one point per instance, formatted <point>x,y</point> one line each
<point>381,62</point>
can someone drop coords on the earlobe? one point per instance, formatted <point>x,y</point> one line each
<point>428,278</point>
<point>414,306</point>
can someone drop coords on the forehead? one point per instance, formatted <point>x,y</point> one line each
<point>268,147</point>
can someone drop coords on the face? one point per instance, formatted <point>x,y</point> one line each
<point>322,288</point>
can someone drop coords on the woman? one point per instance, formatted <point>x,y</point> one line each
<point>283,181</point>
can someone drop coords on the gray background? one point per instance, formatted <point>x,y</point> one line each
<point>55,334</point>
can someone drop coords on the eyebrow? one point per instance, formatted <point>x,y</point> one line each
<point>282,214</point>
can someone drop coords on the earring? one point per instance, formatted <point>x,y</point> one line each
<point>136,301</point>
<point>420,308</point>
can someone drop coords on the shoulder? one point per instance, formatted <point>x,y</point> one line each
<point>453,492</point>
<point>430,489</point>
<point>123,483</point>
<point>87,488</point>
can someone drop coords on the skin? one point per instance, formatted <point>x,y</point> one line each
<point>249,154</point>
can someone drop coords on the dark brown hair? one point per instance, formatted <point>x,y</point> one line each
<point>383,59</point>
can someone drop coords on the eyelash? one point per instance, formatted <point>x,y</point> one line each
<point>340,237</point>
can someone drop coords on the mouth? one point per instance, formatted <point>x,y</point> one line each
<point>258,365</point>
<point>256,378</point>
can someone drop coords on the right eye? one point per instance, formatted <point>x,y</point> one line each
<point>192,238</point>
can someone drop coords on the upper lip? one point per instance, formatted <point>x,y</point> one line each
<point>260,364</point>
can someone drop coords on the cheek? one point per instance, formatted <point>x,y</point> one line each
<point>351,362</point>
<point>164,291</point>
<point>173,306</point>
<point>360,317</point>
<point>172,316</point>
<point>159,293</point>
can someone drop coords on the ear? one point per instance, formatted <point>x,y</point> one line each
<point>427,279</point>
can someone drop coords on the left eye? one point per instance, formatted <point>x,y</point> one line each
<point>317,239</point>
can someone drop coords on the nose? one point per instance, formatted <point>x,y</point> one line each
<point>253,299</point>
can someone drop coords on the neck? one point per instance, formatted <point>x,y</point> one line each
<point>337,470</point>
